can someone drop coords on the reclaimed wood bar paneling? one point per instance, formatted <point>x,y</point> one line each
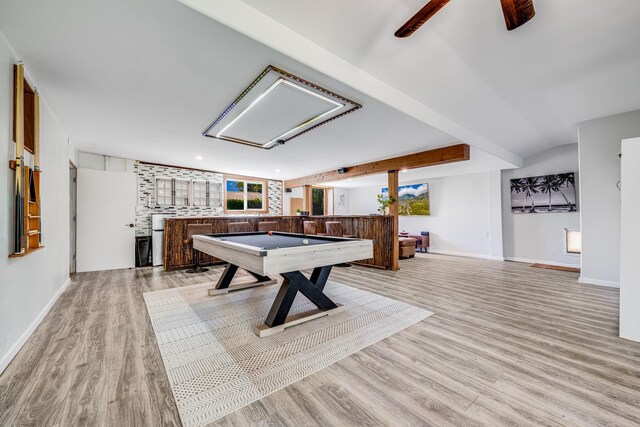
<point>374,227</point>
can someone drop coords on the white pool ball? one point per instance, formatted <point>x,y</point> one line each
<point>305,242</point>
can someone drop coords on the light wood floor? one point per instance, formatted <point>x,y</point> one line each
<point>509,345</point>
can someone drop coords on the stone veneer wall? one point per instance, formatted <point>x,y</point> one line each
<point>147,175</point>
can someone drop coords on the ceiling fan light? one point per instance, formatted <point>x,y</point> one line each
<point>517,12</point>
<point>420,18</point>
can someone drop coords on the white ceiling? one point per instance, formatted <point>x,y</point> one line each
<point>523,91</point>
<point>144,78</point>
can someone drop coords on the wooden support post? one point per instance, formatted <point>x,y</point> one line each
<point>393,211</point>
<point>307,198</point>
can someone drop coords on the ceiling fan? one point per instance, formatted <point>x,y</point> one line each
<point>516,13</point>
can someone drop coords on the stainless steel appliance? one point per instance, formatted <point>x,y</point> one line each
<point>157,237</point>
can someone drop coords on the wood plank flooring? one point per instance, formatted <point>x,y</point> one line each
<point>508,345</point>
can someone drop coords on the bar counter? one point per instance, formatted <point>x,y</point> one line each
<point>378,228</point>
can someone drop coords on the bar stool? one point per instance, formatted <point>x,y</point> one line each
<point>239,227</point>
<point>311,227</point>
<point>192,230</point>
<point>268,226</point>
<point>334,228</point>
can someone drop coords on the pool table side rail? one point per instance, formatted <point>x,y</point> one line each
<point>284,260</point>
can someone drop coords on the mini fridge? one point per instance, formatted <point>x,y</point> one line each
<point>157,237</point>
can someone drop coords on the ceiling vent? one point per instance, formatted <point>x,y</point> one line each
<point>276,107</point>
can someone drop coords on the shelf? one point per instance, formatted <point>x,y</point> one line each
<point>25,253</point>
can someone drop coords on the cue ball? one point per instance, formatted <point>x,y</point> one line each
<point>305,242</point>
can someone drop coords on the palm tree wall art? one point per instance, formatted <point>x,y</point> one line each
<point>544,194</point>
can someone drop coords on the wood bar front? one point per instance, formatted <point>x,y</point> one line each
<point>378,228</point>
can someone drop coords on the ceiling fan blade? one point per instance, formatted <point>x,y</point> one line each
<point>420,18</point>
<point>517,12</point>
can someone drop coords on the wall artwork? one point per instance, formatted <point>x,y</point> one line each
<point>412,199</point>
<point>543,194</point>
<point>342,200</point>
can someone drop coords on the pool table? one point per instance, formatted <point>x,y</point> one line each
<point>264,254</point>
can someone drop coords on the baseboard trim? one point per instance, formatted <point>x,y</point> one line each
<point>538,261</point>
<point>606,283</point>
<point>466,254</point>
<point>15,348</point>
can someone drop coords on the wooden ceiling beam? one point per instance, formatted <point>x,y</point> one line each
<point>438,156</point>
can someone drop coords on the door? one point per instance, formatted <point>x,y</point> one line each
<point>318,206</point>
<point>73,173</point>
<point>296,204</point>
<point>106,212</point>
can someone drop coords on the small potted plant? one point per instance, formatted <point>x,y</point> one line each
<point>384,203</point>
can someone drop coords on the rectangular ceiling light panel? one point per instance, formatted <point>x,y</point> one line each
<point>278,106</point>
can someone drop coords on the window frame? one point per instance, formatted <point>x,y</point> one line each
<point>204,198</point>
<point>185,193</point>
<point>170,189</point>
<point>567,231</point>
<point>246,180</point>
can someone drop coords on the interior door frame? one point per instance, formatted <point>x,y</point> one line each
<point>73,216</point>
<point>325,197</point>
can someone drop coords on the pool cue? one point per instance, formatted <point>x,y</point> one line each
<point>19,247</point>
<point>36,157</point>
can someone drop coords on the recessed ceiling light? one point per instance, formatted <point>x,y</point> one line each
<point>404,170</point>
<point>277,170</point>
<point>198,157</point>
<point>349,179</point>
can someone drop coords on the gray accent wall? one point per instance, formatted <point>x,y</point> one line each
<point>30,285</point>
<point>600,142</point>
<point>540,237</point>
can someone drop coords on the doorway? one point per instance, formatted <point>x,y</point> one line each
<point>318,199</point>
<point>73,215</point>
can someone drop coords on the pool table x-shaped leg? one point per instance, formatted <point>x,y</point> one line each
<point>311,288</point>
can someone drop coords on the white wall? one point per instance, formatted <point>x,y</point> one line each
<point>105,163</point>
<point>337,193</point>
<point>629,253</point>
<point>296,193</point>
<point>540,237</point>
<point>599,146</point>
<point>460,221</point>
<point>332,204</point>
<point>31,284</point>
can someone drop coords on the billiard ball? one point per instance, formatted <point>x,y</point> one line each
<point>270,233</point>
<point>305,242</point>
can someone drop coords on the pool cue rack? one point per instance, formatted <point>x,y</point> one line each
<point>26,130</point>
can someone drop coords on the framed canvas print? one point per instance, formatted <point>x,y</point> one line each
<point>544,194</point>
<point>412,199</point>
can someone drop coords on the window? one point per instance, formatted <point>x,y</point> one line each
<point>164,192</point>
<point>172,192</point>
<point>200,193</point>
<point>215,194</point>
<point>573,241</point>
<point>181,192</point>
<point>207,194</point>
<point>245,195</point>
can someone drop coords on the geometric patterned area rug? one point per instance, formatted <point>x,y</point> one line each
<point>216,364</point>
